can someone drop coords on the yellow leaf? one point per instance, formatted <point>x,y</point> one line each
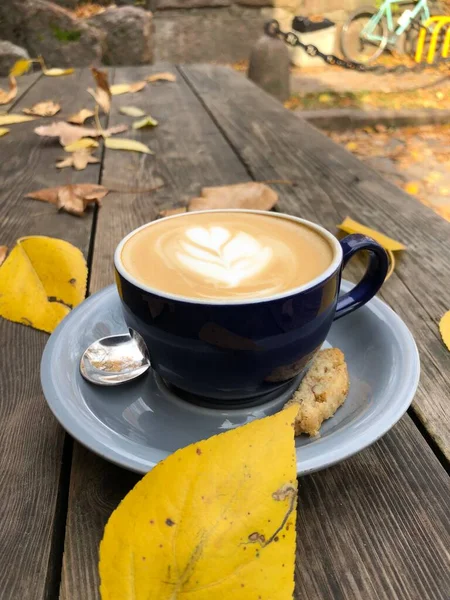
<point>391,263</point>
<point>350,226</point>
<point>80,117</point>
<point>125,88</point>
<point>8,96</point>
<point>411,188</point>
<point>145,122</point>
<point>40,281</point>
<point>351,146</point>
<point>161,77</point>
<point>126,144</point>
<point>444,328</point>
<point>3,131</point>
<point>80,144</point>
<point>11,119</point>
<point>132,111</point>
<point>20,67</point>
<point>210,522</point>
<point>47,108</point>
<point>57,72</point>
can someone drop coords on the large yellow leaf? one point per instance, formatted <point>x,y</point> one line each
<point>11,119</point>
<point>125,88</point>
<point>20,67</point>
<point>350,226</point>
<point>40,281</point>
<point>214,521</point>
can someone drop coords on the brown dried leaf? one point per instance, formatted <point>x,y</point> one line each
<point>251,195</point>
<point>68,134</point>
<point>79,160</point>
<point>7,96</point>
<point>80,117</point>
<point>102,94</point>
<point>71,198</point>
<point>166,76</point>
<point>127,88</point>
<point>3,253</point>
<point>48,108</point>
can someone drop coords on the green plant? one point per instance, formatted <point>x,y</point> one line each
<point>65,35</point>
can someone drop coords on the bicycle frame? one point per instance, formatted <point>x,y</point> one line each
<point>385,10</point>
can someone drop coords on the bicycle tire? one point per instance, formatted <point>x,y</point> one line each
<point>344,37</point>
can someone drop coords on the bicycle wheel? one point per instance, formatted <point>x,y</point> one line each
<point>354,45</point>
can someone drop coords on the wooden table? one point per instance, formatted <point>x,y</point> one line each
<point>373,527</point>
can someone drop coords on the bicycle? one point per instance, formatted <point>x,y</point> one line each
<point>368,32</point>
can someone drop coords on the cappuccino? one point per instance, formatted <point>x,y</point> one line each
<point>226,255</point>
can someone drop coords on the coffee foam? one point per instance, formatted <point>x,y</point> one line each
<point>220,255</point>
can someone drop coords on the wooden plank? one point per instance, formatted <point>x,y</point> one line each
<point>331,184</point>
<point>24,83</point>
<point>31,444</point>
<point>191,153</point>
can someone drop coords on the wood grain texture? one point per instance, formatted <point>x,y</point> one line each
<point>370,528</point>
<point>330,184</point>
<point>24,83</point>
<point>31,442</point>
<point>190,153</point>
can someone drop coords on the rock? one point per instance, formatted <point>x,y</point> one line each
<point>129,35</point>
<point>9,54</point>
<point>70,4</point>
<point>46,29</point>
<point>166,4</point>
<point>269,67</point>
<point>207,34</point>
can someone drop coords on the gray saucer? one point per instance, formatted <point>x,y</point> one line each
<point>138,424</point>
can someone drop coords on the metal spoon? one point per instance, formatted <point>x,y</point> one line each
<point>115,359</point>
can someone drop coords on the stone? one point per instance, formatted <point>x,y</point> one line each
<point>223,35</point>
<point>9,54</point>
<point>129,35</point>
<point>269,67</point>
<point>70,4</point>
<point>47,29</point>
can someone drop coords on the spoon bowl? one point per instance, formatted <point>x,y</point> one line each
<point>115,359</point>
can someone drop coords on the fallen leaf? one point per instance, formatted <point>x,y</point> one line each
<point>350,226</point>
<point>168,212</point>
<point>11,119</point>
<point>20,67</point>
<point>3,253</point>
<point>391,263</point>
<point>126,144</point>
<point>72,198</point>
<point>411,188</point>
<point>48,108</point>
<point>250,195</point>
<point>4,131</point>
<point>57,72</point>
<point>68,134</point>
<point>240,545</point>
<point>125,88</point>
<point>132,111</point>
<point>161,77</point>
<point>79,160</point>
<point>40,281</point>
<point>102,94</point>
<point>351,146</point>
<point>444,328</point>
<point>81,144</point>
<point>8,96</point>
<point>80,117</point>
<point>145,122</point>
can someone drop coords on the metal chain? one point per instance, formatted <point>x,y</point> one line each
<point>272,29</point>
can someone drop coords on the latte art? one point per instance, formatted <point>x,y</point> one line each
<point>226,255</point>
<point>217,254</point>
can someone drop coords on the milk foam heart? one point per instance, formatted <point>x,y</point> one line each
<point>223,256</point>
<point>220,255</point>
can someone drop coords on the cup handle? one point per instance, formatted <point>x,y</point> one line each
<point>373,278</point>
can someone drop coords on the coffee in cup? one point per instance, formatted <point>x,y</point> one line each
<point>226,255</point>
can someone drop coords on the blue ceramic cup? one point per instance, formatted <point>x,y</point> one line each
<point>233,350</point>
